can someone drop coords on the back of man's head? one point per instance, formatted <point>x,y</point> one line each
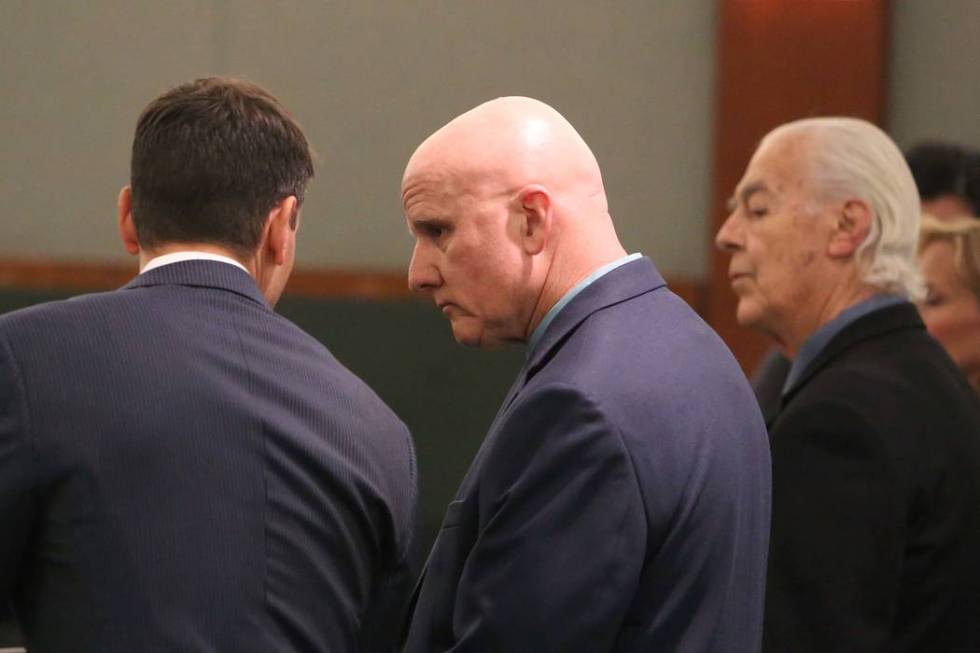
<point>210,159</point>
<point>851,158</point>
<point>945,170</point>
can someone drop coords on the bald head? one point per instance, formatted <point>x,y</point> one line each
<point>507,143</point>
<point>508,212</point>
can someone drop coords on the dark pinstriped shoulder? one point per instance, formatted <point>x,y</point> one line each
<point>206,274</point>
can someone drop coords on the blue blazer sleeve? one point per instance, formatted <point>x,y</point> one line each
<point>380,630</point>
<point>563,532</point>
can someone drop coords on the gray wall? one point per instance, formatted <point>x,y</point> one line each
<point>934,89</point>
<point>368,79</point>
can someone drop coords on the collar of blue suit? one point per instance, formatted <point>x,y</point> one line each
<point>570,295</point>
<point>201,273</point>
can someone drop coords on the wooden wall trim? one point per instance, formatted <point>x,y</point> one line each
<point>305,282</point>
<point>778,61</point>
<point>22,274</point>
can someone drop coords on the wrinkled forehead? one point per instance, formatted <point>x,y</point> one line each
<point>779,164</point>
<point>448,178</point>
<point>429,185</point>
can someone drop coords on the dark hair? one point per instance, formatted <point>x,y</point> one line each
<point>946,169</point>
<point>211,158</point>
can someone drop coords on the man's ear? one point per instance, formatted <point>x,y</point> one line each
<point>280,229</point>
<point>852,228</point>
<point>124,215</point>
<point>534,202</point>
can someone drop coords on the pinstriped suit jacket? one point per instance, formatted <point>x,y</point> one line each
<point>181,469</point>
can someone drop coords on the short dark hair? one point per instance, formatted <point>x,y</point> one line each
<point>943,168</point>
<point>210,159</point>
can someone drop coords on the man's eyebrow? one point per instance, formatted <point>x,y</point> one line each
<point>421,223</point>
<point>746,192</point>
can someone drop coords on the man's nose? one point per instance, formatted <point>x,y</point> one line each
<point>422,272</point>
<point>728,238</point>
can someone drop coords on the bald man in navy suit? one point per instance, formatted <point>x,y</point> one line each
<point>620,501</point>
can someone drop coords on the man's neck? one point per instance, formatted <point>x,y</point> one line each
<point>833,304</point>
<point>562,278</point>
<point>147,255</point>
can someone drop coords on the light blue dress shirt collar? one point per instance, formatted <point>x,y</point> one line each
<point>821,337</point>
<point>571,294</point>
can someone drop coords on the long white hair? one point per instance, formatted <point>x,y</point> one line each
<point>851,158</point>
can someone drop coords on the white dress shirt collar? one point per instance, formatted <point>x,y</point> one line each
<point>188,255</point>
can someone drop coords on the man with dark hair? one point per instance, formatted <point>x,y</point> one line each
<point>210,160</point>
<point>948,178</point>
<point>180,468</point>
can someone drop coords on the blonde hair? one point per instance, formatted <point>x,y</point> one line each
<point>964,235</point>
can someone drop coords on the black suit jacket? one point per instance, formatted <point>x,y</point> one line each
<point>768,381</point>
<point>181,469</point>
<point>876,497</point>
<point>620,501</point>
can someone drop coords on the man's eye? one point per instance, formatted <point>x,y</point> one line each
<point>758,211</point>
<point>429,230</point>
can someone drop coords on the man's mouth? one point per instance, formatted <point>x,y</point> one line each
<point>736,279</point>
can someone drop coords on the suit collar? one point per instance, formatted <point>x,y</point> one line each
<point>189,255</point>
<point>571,294</point>
<point>618,285</point>
<point>896,317</point>
<point>203,274</point>
<point>818,339</point>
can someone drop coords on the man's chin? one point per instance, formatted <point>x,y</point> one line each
<point>467,337</point>
<point>748,315</point>
<point>475,333</point>
<point>469,342</point>
<point>478,340</point>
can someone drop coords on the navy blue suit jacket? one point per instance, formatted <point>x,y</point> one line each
<point>620,501</point>
<point>181,469</point>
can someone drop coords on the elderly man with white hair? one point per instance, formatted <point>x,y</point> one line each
<point>876,447</point>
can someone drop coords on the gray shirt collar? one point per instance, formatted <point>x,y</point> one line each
<point>570,295</point>
<point>821,337</point>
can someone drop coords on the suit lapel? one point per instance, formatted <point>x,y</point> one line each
<point>896,317</point>
<point>772,411</point>
<point>619,285</point>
